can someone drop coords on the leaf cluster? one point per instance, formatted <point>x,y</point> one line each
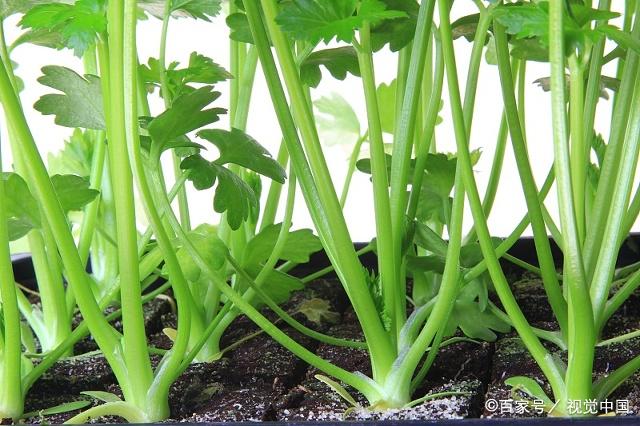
<point>75,26</point>
<point>200,70</point>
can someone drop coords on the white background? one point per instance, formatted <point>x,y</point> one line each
<point>211,39</point>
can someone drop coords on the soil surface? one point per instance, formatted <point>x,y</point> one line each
<point>261,381</point>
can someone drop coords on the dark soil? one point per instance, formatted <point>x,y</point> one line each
<point>261,381</point>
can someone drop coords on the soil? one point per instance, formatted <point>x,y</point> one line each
<point>261,381</point>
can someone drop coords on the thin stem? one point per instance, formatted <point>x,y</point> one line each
<point>324,271</point>
<point>613,155</point>
<point>351,168</point>
<point>581,333</point>
<point>42,245</point>
<point>605,386</point>
<point>606,260</point>
<point>619,339</point>
<point>321,200</point>
<point>11,391</point>
<point>618,299</point>
<point>579,151</point>
<point>267,326</point>
<point>386,258</point>
<point>530,190</point>
<point>183,205</point>
<point>256,287</point>
<point>45,193</point>
<point>446,295</point>
<point>156,401</point>
<point>529,338</point>
<point>271,262</point>
<point>508,242</point>
<point>403,139</point>
<point>91,211</point>
<point>428,133</point>
<point>127,411</point>
<point>275,190</point>
<point>136,356</point>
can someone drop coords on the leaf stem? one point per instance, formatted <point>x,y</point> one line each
<point>136,356</point>
<point>183,205</point>
<point>581,335</point>
<point>543,247</point>
<point>531,341</point>
<point>156,394</point>
<point>12,392</point>
<point>384,232</point>
<point>315,179</point>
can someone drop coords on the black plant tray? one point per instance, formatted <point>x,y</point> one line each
<point>523,249</point>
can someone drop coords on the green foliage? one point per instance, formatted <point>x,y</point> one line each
<point>239,27</point>
<point>198,9</point>
<point>338,389</point>
<point>236,147</point>
<point>531,20</point>
<point>11,7</point>
<point>531,388</point>
<point>622,38</point>
<point>530,49</point>
<point>59,409</point>
<point>339,61</point>
<point>102,396</point>
<point>186,114</point>
<point>386,95</point>
<point>209,246</point>
<point>375,290</point>
<point>471,311</point>
<point>606,83</point>
<point>22,207</point>
<point>466,27</point>
<point>79,105</point>
<point>314,21</point>
<point>73,191</point>
<point>396,33</point>
<point>77,24</point>
<point>40,37</point>
<point>432,263</point>
<point>299,245</point>
<point>200,70</point>
<point>471,314</point>
<point>23,212</point>
<point>435,202</point>
<point>232,194</point>
<point>337,121</point>
<point>75,156</point>
<point>318,311</point>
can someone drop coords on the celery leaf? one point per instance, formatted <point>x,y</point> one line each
<point>237,147</point>
<point>232,195</point>
<point>78,24</point>
<point>186,114</point>
<point>21,206</point>
<point>314,21</point>
<point>298,247</point>
<point>79,104</point>
<point>339,61</point>
<point>73,191</point>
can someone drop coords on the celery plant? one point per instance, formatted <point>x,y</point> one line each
<point>594,199</point>
<point>116,110</point>
<point>241,264</point>
<point>396,343</point>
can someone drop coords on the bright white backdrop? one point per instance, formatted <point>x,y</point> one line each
<point>210,39</point>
